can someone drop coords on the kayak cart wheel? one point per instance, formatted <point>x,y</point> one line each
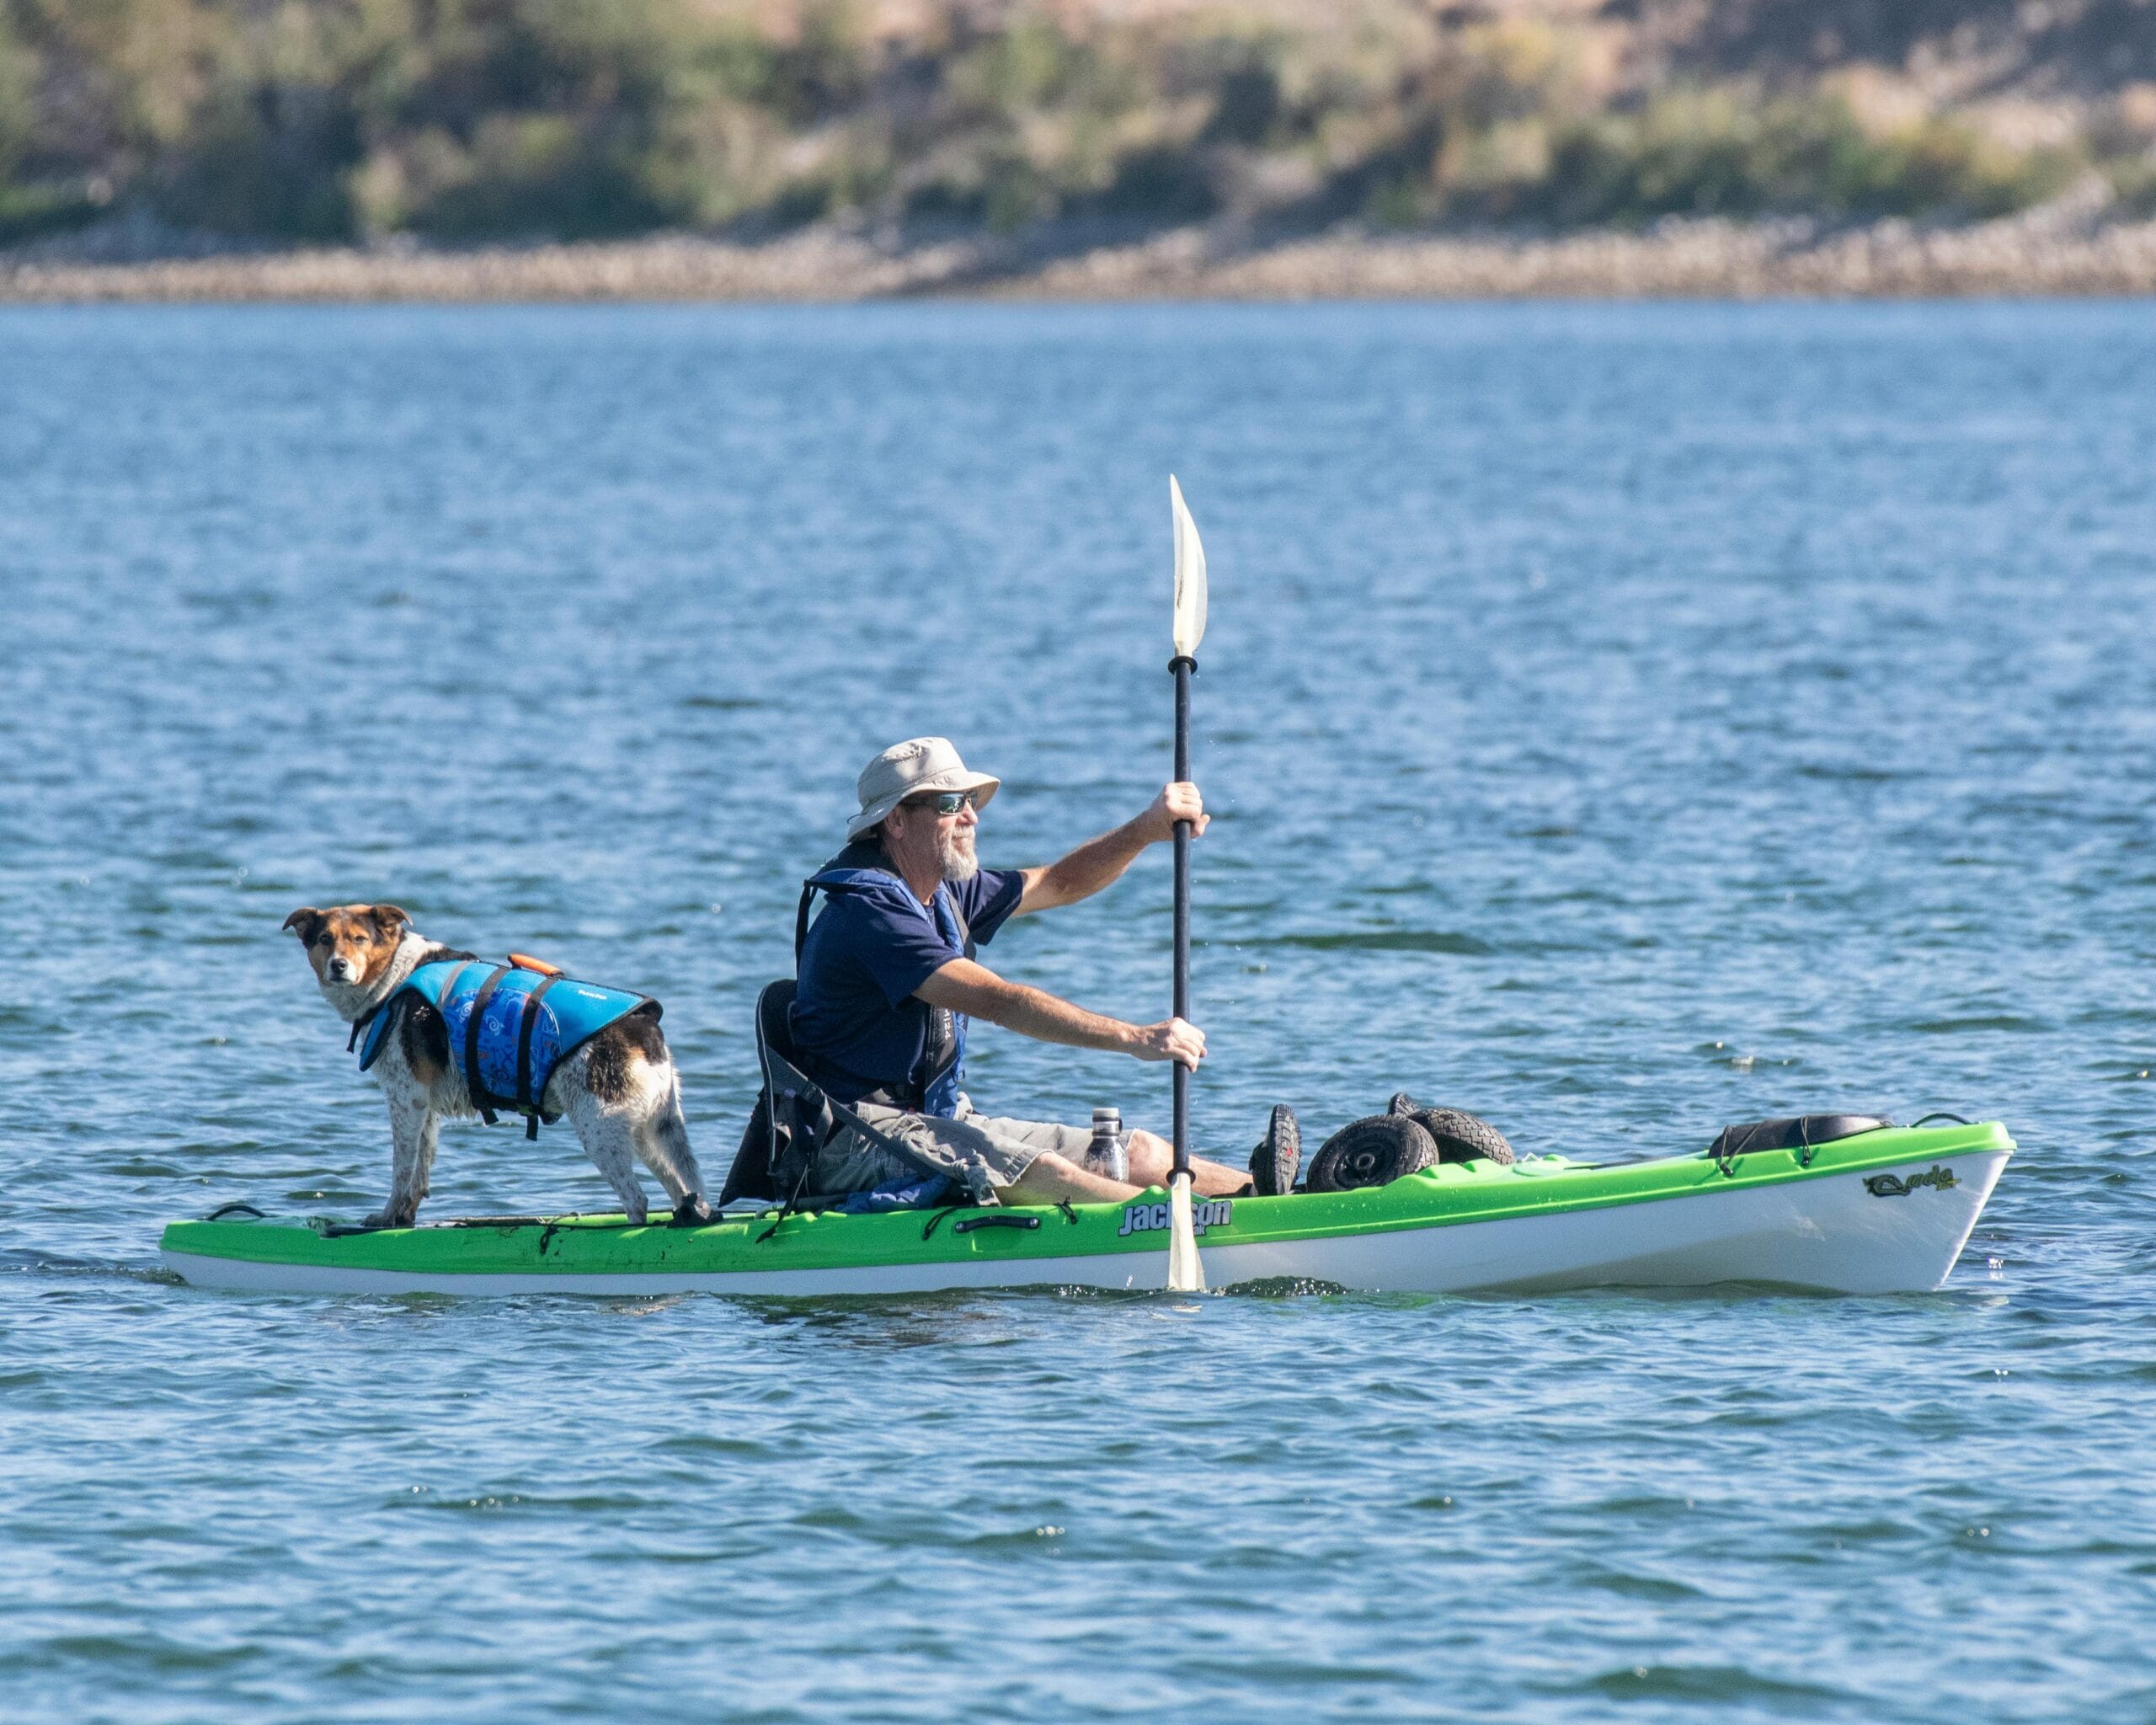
<point>1372,1152</point>
<point>1463,1138</point>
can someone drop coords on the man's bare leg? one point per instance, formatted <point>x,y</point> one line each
<point>1152,1159</point>
<point>1049,1177</point>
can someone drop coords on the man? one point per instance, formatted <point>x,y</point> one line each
<point>887,980</point>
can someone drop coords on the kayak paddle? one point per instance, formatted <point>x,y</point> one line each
<point>1186,1274</point>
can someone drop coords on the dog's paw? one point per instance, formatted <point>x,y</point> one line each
<point>387,1217</point>
<point>691,1212</point>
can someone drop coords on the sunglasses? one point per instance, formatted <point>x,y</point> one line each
<point>947,802</point>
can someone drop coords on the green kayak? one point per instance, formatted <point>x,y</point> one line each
<point>1887,1210</point>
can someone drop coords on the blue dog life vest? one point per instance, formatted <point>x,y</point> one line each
<point>509,1027</point>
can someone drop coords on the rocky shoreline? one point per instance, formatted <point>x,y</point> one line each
<point>2077,246</point>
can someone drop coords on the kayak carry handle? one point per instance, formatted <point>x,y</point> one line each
<point>993,1221</point>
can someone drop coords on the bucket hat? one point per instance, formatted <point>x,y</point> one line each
<point>909,769</point>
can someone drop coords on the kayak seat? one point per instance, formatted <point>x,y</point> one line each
<point>753,1174</point>
<point>775,1021</point>
<point>1797,1132</point>
<point>794,1117</point>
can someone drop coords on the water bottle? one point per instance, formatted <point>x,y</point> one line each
<point>1107,1154</point>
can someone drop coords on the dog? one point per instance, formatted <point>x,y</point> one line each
<point>619,1087</point>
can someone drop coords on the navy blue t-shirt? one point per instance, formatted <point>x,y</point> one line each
<point>856,1022</point>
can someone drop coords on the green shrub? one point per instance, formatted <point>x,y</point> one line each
<point>1713,152</point>
<point>273,160</point>
<point>2133,183</point>
<point>827,70</point>
<point>27,212</point>
<point>1248,108</point>
<point>853,172</point>
<point>1163,183</point>
<point>18,127</point>
<point>538,174</point>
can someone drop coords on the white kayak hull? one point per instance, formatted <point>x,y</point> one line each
<point>1831,1232</point>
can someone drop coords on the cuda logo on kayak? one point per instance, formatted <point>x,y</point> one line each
<point>1144,1218</point>
<point>1893,1186</point>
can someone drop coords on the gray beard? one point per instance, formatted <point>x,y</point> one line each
<point>956,865</point>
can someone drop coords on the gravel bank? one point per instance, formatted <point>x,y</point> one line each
<point>2076,247</point>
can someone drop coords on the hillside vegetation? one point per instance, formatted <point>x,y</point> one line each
<point>467,120</point>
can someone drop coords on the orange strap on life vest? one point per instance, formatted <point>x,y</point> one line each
<point>524,961</point>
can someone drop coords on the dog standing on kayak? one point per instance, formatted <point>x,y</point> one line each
<point>617,1086</point>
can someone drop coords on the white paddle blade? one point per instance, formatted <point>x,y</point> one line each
<point>1186,1273</point>
<point>1190,576</point>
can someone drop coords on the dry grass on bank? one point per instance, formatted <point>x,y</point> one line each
<point>2063,248</point>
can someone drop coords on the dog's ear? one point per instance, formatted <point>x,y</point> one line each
<point>390,919</point>
<point>308,920</point>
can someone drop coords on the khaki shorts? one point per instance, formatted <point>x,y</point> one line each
<point>979,1152</point>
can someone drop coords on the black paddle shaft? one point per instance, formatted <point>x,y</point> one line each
<point>1182,666</point>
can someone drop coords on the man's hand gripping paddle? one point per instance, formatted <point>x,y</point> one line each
<point>1186,1274</point>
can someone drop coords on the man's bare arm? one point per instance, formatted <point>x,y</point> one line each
<point>1100,863</point>
<point>965,986</point>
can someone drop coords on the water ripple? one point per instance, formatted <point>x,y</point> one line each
<point>1740,719</point>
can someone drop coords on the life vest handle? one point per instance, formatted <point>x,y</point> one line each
<point>524,961</point>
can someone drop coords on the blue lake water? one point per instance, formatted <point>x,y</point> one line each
<point>1620,721</point>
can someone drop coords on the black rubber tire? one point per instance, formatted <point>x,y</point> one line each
<point>1461,1137</point>
<point>1373,1151</point>
<point>1274,1163</point>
